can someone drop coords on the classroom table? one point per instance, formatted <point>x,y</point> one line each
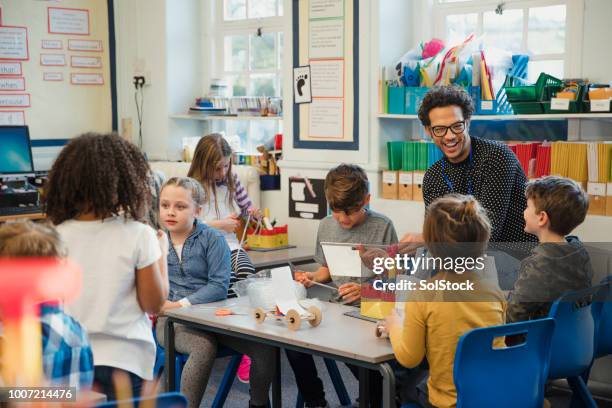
<point>338,337</point>
<point>33,216</point>
<point>281,257</point>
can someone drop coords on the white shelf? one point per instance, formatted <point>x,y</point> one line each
<point>197,116</point>
<point>514,117</point>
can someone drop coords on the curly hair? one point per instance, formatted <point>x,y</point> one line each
<point>442,96</point>
<point>101,174</point>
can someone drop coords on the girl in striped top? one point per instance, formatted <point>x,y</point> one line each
<point>226,200</point>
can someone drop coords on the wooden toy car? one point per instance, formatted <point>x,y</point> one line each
<point>292,318</point>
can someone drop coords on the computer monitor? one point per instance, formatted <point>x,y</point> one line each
<point>15,151</point>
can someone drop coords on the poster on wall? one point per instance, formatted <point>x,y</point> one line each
<point>14,100</point>
<point>52,60</point>
<point>51,44</point>
<point>307,198</point>
<point>85,45</point>
<point>78,61</point>
<point>68,21</point>
<point>12,118</point>
<point>301,85</point>
<point>10,68</point>
<point>14,43</point>
<point>12,84</point>
<point>327,42</point>
<point>86,79</point>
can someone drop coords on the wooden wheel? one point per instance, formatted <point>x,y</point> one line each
<point>317,316</point>
<point>259,314</point>
<point>293,319</point>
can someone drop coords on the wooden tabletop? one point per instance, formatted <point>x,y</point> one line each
<point>337,334</point>
<point>35,216</point>
<point>280,257</point>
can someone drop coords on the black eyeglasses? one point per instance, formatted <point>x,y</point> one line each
<point>457,128</point>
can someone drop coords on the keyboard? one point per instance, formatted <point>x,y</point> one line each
<point>8,211</point>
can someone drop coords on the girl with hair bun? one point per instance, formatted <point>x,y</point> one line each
<point>456,227</point>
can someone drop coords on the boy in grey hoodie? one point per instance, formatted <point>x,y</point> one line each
<point>560,263</point>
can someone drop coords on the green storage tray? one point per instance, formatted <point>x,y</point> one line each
<point>574,106</point>
<point>529,93</point>
<point>527,108</point>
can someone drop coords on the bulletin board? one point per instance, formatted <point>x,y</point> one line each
<point>326,39</point>
<point>55,67</point>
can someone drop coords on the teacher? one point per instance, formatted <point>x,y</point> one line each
<point>485,169</point>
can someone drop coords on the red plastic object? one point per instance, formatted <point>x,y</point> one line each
<point>24,283</point>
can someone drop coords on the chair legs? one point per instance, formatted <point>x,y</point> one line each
<point>227,381</point>
<point>581,393</point>
<point>336,378</point>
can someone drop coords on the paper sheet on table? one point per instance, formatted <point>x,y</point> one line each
<point>342,260</point>
<point>284,291</point>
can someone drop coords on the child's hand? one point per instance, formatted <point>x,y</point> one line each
<point>229,224</point>
<point>168,305</point>
<point>392,321</point>
<point>305,278</point>
<point>162,238</point>
<point>412,237</point>
<point>254,212</point>
<point>368,254</point>
<point>350,292</point>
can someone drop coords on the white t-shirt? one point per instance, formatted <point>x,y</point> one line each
<point>209,213</point>
<point>109,252</point>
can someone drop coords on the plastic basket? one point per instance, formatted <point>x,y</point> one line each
<point>574,106</point>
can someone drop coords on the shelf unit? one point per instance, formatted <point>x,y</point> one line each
<point>514,117</point>
<point>196,116</point>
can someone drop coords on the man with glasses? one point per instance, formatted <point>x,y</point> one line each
<point>485,169</point>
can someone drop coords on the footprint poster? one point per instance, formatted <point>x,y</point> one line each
<point>301,84</point>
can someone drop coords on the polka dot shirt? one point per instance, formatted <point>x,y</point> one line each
<point>498,183</point>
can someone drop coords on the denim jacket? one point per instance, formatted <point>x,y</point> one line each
<point>203,273</point>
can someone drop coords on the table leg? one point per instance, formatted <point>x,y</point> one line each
<point>388,385</point>
<point>276,382</point>
<point>364,387</point>
<point>170,355</point>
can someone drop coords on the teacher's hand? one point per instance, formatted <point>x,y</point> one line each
<point>412,238</point>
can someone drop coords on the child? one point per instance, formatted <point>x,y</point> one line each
<point>434,321</point>
<point>199,271</point>
<point>346,191</point>
<point>97,193</point>
<point>559,264</point>
<point>212,167</point>
<point>224,195</point>
<point>66,353</point>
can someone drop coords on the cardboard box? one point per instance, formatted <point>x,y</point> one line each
<point>597,198</point>
<point>417,185</point>
<point>405,185</point>
<point>390,185</point>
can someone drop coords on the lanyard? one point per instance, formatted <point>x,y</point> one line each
<point>449,183</point>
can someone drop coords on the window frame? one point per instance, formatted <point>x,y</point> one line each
<point>247,27</point>
<point>572,55</point>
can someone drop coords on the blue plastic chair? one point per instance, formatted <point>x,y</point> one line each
<point>602,314</point>
<point>573,344</point>
<point>167,400</point>
<point>510,377</point>
<point>336,378</point>
<point>180,359</point>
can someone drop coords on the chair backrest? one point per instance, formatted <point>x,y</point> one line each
<point>572,347</point>
<point>602,315</point>
<point>514,376</point>
<point>167,400</point>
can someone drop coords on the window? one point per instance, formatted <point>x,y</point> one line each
<point>250,43</point>
<point>540,28</point>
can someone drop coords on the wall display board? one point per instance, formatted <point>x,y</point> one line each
<point>50,55</point>
<point>326,40</point>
